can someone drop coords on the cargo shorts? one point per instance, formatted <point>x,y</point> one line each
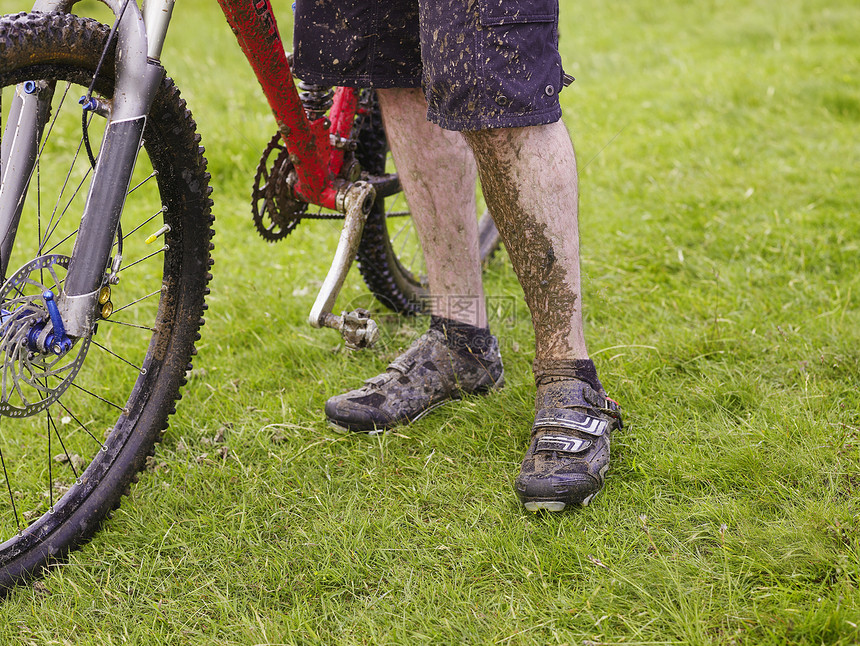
<point>481,63</point>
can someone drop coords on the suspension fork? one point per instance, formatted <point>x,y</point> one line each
<point>138,76</point>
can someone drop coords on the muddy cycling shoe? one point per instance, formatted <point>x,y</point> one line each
<point>427,375</point>
<point>568,456</point>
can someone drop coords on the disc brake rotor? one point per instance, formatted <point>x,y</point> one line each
<point>31,381</point>
<point>276,212</point>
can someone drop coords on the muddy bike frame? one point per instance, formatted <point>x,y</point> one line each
<point>316,150</point>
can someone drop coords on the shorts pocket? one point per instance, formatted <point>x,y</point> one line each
<point>511,12</point>
<point>519,58</point>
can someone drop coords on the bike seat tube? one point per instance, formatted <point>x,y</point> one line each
<point>253,23</point>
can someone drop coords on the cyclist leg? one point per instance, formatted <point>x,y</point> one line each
<point>458,354</point>
<point>438,175</point>
<point>530,180</point>
<point>501,88</point>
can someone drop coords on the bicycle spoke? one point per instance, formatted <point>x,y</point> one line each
<point>47,134</point>
<point>73,233</point>
<point>399,233</point>
<point>405,241</point>
<point>63,445</point>
<point>125,323</point>
<point>99,397</point>
<point>65,210</point>
<point>17,288</point>
<point>83,426</point>
<point>143,224</point>
<point>50,466</point>
<point>151,175</point>
<point>68,177</point>
<point>62,190</point>
<point>141,299</point>
<point>9,489</point>
<point>414,256</point>
<point>154,253</point>
<point>45,137</point>
<point>110,352</point>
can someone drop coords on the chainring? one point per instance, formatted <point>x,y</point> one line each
<point>275,210</point>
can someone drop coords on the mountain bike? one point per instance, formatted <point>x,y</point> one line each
<point>105,246</point>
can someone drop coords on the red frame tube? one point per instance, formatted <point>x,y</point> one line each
<point>315,160</point>
<point>342,118</point>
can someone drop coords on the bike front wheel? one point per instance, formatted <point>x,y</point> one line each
<point>75,430</point>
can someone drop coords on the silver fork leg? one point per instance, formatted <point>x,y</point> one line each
<point>137,80</point>
<point>24,125</point>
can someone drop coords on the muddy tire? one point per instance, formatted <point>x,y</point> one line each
<point>67,466</point>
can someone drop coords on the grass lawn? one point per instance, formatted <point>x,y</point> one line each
<point>720,166</point>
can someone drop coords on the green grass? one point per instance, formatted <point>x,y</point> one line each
<point>720,165</point>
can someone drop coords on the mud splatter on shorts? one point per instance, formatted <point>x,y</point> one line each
<point>482,63</point>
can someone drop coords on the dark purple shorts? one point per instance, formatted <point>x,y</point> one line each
<point>482,63</point>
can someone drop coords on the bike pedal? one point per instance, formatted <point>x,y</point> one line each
<point>358,330</point>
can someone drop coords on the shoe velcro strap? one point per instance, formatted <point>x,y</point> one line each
<point>377,381</point>
<point>578,391</point>
<point>422,349</point>
<point>402,364</point>
<point>600,401</point>
<point>571,419</point>
<point>562,443</point>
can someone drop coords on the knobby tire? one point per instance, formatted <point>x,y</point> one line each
<point>152,331</point>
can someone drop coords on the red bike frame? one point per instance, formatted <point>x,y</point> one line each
<point>316,155</point>
<point>316,161</point>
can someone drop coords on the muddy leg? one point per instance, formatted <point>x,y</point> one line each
<point>438,174</point>
<point>530,183</point>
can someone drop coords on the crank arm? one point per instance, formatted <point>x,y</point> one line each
<point>357,329</point>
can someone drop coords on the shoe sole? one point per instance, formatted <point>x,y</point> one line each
<point>555,505</point>
<point>345,430</point>
<point>544,505</point>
